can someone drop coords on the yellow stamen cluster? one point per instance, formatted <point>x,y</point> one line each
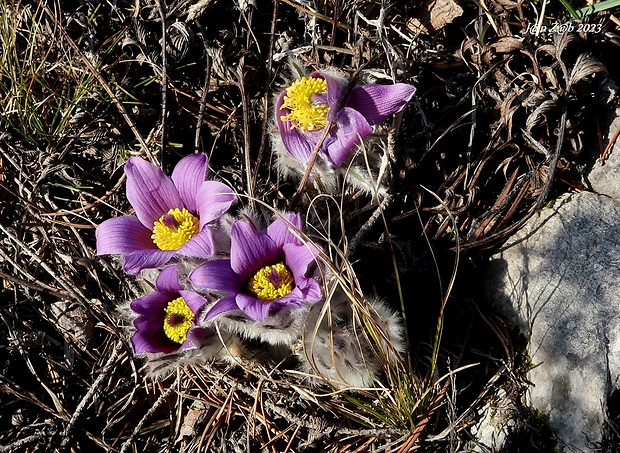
<point>179,318</point>
<point>271,282</point>
<point>303,112</point>
<point>174,229</point>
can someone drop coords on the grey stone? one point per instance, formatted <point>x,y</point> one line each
<point>605,176</point>
<point>495,422</point>
<point>558,279</point>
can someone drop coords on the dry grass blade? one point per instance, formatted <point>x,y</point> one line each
<point>105,85</point>
<point>502,113</point>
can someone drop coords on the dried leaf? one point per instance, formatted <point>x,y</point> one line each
<point>443,12</point>
<point>437,15</point>
<point>507,44</point>
<point>194,417</point>
<point>74,322</point>
<point>538,115</point>
<point>198,9</point>
<point>586,66</point>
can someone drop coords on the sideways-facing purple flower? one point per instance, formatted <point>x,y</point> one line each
<point>167,317</point>
<point>173,215</point>
<point>311,103</point>
<point>266,272</point>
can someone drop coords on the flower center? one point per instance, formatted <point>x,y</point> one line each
<point>174,229</point>
<point>179,318</point>
<point>271,282</point>
<point>303,112</point>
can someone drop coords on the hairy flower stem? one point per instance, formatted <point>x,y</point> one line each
<point>306,176</point>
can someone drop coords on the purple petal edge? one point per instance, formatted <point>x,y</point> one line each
<point>122,235</point>
<point>378,102</point>
<point>188,176</point>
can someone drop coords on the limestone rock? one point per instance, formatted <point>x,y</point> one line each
<point>558,279</point>
<point>605,177</point>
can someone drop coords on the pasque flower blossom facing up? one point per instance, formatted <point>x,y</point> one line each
<point>311,103</point>
<point>167,317</point>
<point>266,272</point>
<point>173,215</point>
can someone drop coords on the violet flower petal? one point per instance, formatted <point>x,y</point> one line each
<point>336,87</point>
<point>378,102</point>
<point>300,257</point>
<point>168,280</point>
<point>213,199</point>
<point>193,300</point>
<point>200,246</point>
<point>149,335</point>
<point>122,235</point>
<point>280,230</point>
<point>187,344</point>
<point>216,275</point>
<point>255,308</point>
<point>152,306</point>
<point>188,176</point>
<point>146,343</point>
<point>294,298</point>
<point>198,336</point>
<point>145,340</point>
<point>143,259</point>
<point>309,289</point>
<point>250,249</point>
<point>342,140</point>
<point>294,141</point>
<point>223,305</point>
<point>150,192</point>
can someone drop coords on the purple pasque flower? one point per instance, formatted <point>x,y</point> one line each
<point>167,317</point>
<point>266,272</point>
<point>173,215</point>
<point>310,103</point>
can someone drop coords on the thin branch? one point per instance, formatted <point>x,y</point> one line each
<point>306,177</point>
<point>95,387</point>
<point>162,398</point>
<point>265,126</point>
<point>203,102</point>
<point>357,239</point>
<point>164,80</point>
<point>246,132</point>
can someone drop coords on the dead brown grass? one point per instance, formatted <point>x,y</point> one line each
<point>497,129</point>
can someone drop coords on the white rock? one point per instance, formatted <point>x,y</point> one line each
<point>605,176</point>
<point>559,280</point>
<point>494,424</point>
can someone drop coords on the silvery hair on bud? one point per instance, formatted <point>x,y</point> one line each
<point>339,352</point>
<point>279,329</point>
<point>213,346</point>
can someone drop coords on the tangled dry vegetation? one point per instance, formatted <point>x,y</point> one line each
<point>499,125</point>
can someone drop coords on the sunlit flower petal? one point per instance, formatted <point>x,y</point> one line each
<point>214,199</point>
<point>342,141</point>
<point>351,114</point>
<point>174,215</point>
<point>150,191</point>
<point>146,259</point>
<point>122,235</point>
<point>267,271</point>
<point>166,316</point>
<point>168,280</point>
<point>200,246</point>
<point>217,275</point>
<point>281,230</point>
<point>378,102</point>
<point>250,249</point>
<point>188,176</point>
